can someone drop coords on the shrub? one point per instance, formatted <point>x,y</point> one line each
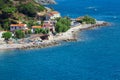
<point>19,34</point>
<point>43,31</point>
<point>88,20</point>
<point>7,35</point>
<point>29,32</point>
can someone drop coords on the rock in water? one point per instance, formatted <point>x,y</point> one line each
<point>45,2</point>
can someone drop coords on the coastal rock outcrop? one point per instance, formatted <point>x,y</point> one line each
<point>44,2</point>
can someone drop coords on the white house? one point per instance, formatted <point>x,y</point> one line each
<point>52,15</point>
<point>1,32</point>
<point>14,27</point>
<point>49,26</point>
<point>50,22</point>
<point>74,23</point>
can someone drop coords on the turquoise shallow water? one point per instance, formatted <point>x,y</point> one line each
<point>96,57</point>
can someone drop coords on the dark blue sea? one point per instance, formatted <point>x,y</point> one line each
<point>96,56</point>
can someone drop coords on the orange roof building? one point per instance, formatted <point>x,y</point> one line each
<point>18,25</point>
<point>54,12</point>
<point>52,15</point>
<point>34,27</point>
<point>14,27</point>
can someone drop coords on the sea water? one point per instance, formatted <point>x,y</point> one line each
<point>96,56</point>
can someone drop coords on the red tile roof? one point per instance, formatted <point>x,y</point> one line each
<point>36,26</point>
<point>52,13</point>
<point>18,25</point>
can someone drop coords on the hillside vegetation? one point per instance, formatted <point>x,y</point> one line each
<point>14,11</point>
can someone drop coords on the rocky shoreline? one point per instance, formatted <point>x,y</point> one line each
<point>69,36</point>
<point>39,45</point>
<point>45,2</point>
<point>58,42</point>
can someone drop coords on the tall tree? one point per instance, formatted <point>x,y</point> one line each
<point>62,25</point>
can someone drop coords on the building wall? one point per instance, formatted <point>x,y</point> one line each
<point>17,28</point>
<point>52,17</point>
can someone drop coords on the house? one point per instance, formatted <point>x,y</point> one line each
<point>20,26</point>
<point>39,22</point>
<point>79,18</point>
<point>74,23</point>
<point>50,22</point>
<point>35,27</point>
<point>41,16</point>
<point>49,26</point>
<point>52,15</point>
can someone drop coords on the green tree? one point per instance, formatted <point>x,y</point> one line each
<point>42,22</point>
<point>37,31</point>
<point>28,9</point>
<point>1,27</point>
<point>19,34</point>
<point>62,25</point>
<point>4,3</point>
<point>9,10</point>
<point>6,26</point>
<point>31,23</point>
<point>29,32</point>
<point>43,31</point>
<point>66,21</point>
<point>7,35</point>
<point>58,27</point>
<point>41,8</point>
<point>88,20</point>
<point>47,31</point>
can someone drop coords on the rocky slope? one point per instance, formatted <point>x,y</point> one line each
<point>44,2</point>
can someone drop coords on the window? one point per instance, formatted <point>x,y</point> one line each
<point>15,27</point>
